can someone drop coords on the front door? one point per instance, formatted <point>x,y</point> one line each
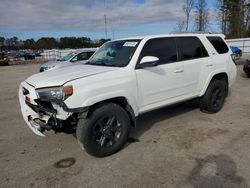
<point>161,83</point>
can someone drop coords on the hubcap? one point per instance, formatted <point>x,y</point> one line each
<point>106,131</point>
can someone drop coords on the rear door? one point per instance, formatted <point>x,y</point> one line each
<point>196,63</point>
<point>220,54</point>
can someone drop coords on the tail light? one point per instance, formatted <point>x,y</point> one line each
<point>233,56</point>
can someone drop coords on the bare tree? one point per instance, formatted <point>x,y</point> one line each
<point>180,26</point>
<point>201,15</point>
<point>187,8</point>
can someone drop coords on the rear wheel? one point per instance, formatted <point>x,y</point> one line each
<point>214,97</point>
<point>105,131</point>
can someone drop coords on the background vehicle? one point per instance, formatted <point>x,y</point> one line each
<point>123,79</point>
<point>236,51</point>
<point>24,54</point>
<point>246,68</point>
<point>4,60</point>
<point>29,56</point>
<point>68,60</point>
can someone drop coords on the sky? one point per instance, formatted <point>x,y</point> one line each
<point>57,18</point>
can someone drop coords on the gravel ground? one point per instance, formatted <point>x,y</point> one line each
<point>178,146</point>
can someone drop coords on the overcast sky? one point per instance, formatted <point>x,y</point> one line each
<point>38,18</point>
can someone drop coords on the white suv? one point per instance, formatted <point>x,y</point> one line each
<point>123,79</point>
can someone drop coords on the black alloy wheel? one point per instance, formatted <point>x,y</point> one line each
<point>104,131</point>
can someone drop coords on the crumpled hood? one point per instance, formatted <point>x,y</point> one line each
<point>60,76</point>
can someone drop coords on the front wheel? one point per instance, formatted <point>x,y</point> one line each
<point>105,131</point>
<point>214,97</point>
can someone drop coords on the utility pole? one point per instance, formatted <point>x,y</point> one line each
<point>105,20</point>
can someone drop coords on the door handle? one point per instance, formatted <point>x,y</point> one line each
<point>178,70</point>
<point>209,64</point>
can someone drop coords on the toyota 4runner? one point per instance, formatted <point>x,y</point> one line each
<point>123,79</point>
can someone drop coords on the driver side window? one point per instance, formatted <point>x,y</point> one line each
<point>162,48</point>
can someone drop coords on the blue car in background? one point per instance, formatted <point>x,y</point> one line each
<point>236,51</point>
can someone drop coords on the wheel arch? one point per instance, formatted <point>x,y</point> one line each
<point>121,101</point>
<point>215,76</point>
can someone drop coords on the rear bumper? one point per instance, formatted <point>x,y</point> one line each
<point>232,75</point>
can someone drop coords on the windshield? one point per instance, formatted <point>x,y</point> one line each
<point>68,56</point>
<point>115,53</point>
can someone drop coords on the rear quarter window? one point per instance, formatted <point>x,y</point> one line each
<point>219,44</point>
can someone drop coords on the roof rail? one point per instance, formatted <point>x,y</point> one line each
<point>194,32</point>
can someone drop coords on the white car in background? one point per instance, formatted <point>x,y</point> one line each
<point>80,56</point>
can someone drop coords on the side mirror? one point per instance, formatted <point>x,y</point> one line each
<point>149,61</point>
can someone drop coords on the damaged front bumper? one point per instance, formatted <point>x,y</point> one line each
<point>39,118</point>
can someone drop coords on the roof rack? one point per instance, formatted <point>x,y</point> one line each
<point>195,32</point>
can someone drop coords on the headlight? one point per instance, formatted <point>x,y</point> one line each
<point>55,93</point>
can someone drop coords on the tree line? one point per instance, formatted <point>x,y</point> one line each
<point>14,43</point>
<point>233,17</point>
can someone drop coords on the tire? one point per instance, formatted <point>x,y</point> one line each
<point>105,131</point>
<point>246,69</point>
<point>213,100</point>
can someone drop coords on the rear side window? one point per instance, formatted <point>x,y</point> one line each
<point>163,48</point>
<point>219,45</point>
<point>191,48</point>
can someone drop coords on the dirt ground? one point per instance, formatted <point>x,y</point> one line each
<point>174,147</point>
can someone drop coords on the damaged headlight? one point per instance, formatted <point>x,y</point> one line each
<point>55,93</point>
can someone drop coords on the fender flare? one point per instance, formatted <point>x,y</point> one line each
<point>210,78</point>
